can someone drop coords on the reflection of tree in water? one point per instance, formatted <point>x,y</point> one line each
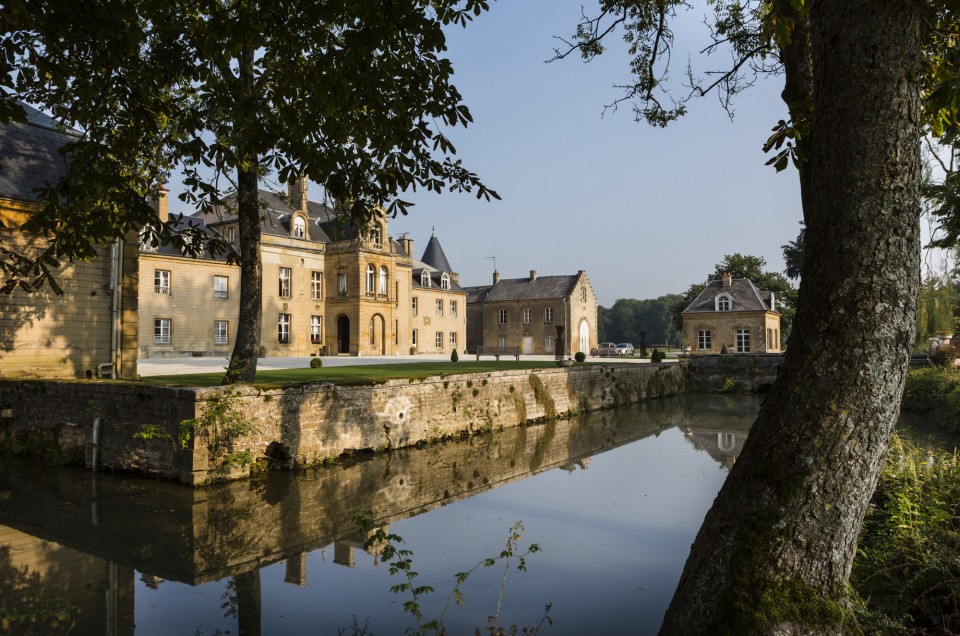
<point>227,536</point>
<point>29,604</point>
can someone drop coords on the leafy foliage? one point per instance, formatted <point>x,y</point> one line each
<point>793,254</point>
<point>935,393</point>
<point>221,424</point>
<point>657,356</point>
<point>629,319</point>
<point>316,363</point>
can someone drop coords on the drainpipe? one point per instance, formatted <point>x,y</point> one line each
<point>116,273</point>
<point>95,437</point>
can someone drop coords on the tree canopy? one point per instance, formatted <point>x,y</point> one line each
<point>628,317</point>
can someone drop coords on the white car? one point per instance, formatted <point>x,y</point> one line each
<point>624,349</point>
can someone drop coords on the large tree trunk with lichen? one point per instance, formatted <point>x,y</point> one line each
<point>775,551</point>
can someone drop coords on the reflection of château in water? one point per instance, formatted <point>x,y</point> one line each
<point>721,435</point>
<point>74,534</point>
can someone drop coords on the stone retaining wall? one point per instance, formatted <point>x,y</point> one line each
<point>733,373</point>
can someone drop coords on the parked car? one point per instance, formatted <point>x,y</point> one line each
<point>606,349</point>
<point>624,349</point>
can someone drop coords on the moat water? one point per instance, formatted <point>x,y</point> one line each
<point>613,499</point>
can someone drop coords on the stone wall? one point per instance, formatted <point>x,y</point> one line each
<point>731,372</point>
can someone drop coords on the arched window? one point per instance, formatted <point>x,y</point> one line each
<point>723,302</point>
<point>370,276</point>
<point>444,281</point>
<point>383,281</point>
<point>425,278</point>
<point>299,227</point>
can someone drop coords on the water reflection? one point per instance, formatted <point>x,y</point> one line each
<point>615,524</point>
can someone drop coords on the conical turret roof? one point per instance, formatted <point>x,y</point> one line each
<point>434,257</point>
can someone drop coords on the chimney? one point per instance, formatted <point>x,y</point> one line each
<point>455,277</point>
<point>496,277</point>
<point>407,244</point>
<point>297,194</point>
<point>160,203</point>
<point>773,302</point>
<point>533,275</point>
<point>727,279</point>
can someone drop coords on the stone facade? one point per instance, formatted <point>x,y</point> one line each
<point>731,315</point>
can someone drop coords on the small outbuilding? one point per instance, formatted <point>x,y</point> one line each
<point>732,314</point>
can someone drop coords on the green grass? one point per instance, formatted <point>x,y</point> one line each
<point>359,374</point>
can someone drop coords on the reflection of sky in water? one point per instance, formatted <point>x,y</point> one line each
<point>614,537</point>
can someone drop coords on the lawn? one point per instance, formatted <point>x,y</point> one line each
<point>360,374</point>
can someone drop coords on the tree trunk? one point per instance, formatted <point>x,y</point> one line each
<point>775,551</point>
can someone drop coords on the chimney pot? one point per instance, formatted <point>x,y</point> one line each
<point>727,279</point>
<point>533,275</point>
<point>496,277</point>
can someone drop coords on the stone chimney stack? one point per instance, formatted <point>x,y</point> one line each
<point>160,203</point>
<point>297,194</point>
<point>533,275</point>
<point>455,277</point>
<point>496,277</point>
<point>727,279</point>
<point>406,243</point>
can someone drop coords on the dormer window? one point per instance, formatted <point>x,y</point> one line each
<point>444,281</point>
<point>723,302</point>
<point>425,278</point>
<point>376,235</point>
<point>299,227</point>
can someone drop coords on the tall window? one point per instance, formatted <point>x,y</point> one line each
<point>583,294</point>
<point>342,284</point>
<point>382,281</point>
<point>299,227</point>
<point>425,278</point>
<point>232,235</point>
<point>444,281</point>
<point>548,344</point>
<point>439,340</point>
<point>548,315</point>
<point>453,308</point>
<point>316,285</point>
<point>376,235</point>
<point>703,340</point>
<point>723,303</point>
<point>413,338</point>
<point>161,281</point>
<point>285,277</point>
<point>373,336</point>
<point>414,305</point>
<point>221,331</point>
<point>220,289</point>
<point>439,305</point>
<point>743,341</point>
<point>371,273</point>
<point>161,331</point>
<point>503,316</point>
<point>283,329</point>
<point>453,339</point>
<point>502,342</point>
<point>527,316</point>
<point>316,332</point>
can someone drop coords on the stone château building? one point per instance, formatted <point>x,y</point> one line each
<point>731,313</point>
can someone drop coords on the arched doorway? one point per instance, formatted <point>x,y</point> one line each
<point>378,336</point>
<point>584,336</point>
<point>343,334</point>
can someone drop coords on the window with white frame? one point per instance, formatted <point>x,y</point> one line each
<point>453,339</point>
<point>232,235</point>
<point>723,303</point>
<point>413,338</point>
<point>548,344</point>
<point>414,305</point>
<point>283,328</point>
<point>342,284</point>
<point>286,275</point>
<point>316,285</point>
<point>502,341</point>
<point>502,315</point>
<point>382,281</point>
<point>453,308</point>
<point>425,278</point>
<point>439,340</point>
<point>704,342</point>
<point>221,332</point>
<point>548,316</point>
<point>316,330</point>
<point>371,274</point>
<point>220,287</point>
<point>444,281</point>
<point>439,305</point>
<point>161,281</point>
<point>376,235</point>
<point>527,316</point>
<point>299,227</point>
<point>743,341</point>
<point>161,331</point>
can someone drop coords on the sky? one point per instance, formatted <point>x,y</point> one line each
<point>644,211</point>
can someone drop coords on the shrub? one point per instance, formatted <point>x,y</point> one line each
<point>723,349</point>
<point>580,356</point>
<point>454,357</point>
<point>944,355</point>
<point>316,363</point>
<point>657,356</point>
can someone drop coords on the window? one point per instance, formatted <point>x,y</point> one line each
<point>453,308</point>
<point>382,288</point>
<point>439,340</point>
<point>439,304</point>
<point>453,339</point>
<point>371,273</point>
<point>527,316</point>
<point>723,303</point>
<point>414,305</point>
<point>283,329</point>
<point>413,338</point>
<point>161,331</point>
<point>548,344</point>
<point>703,340</point>
<point>285,277</point>
<point>548,316</point>
<point>503,316</point>
<point>221,330</point>
<point>424,278</point>
<point>743,341</point>
<point>342,284</point>
<point>220,289</point>
<point>502,342</point>
<point>299,227</point>
<point>376,235</point>
<point>583,294</point>
<point>316,331</point>
<point>232,235</point>
<point>444,281</point>
<point>316,285</point>
<point>373,336</point>
<point>161,281</point>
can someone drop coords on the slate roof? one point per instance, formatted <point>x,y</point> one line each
<point>506,289</point>
<point>30,158</point>
<point>181,222</point>
<point>743,295</point>
<point>435,274</point>
<point>434,257</point>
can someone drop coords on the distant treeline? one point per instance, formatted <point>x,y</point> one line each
<point>629,317</point>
